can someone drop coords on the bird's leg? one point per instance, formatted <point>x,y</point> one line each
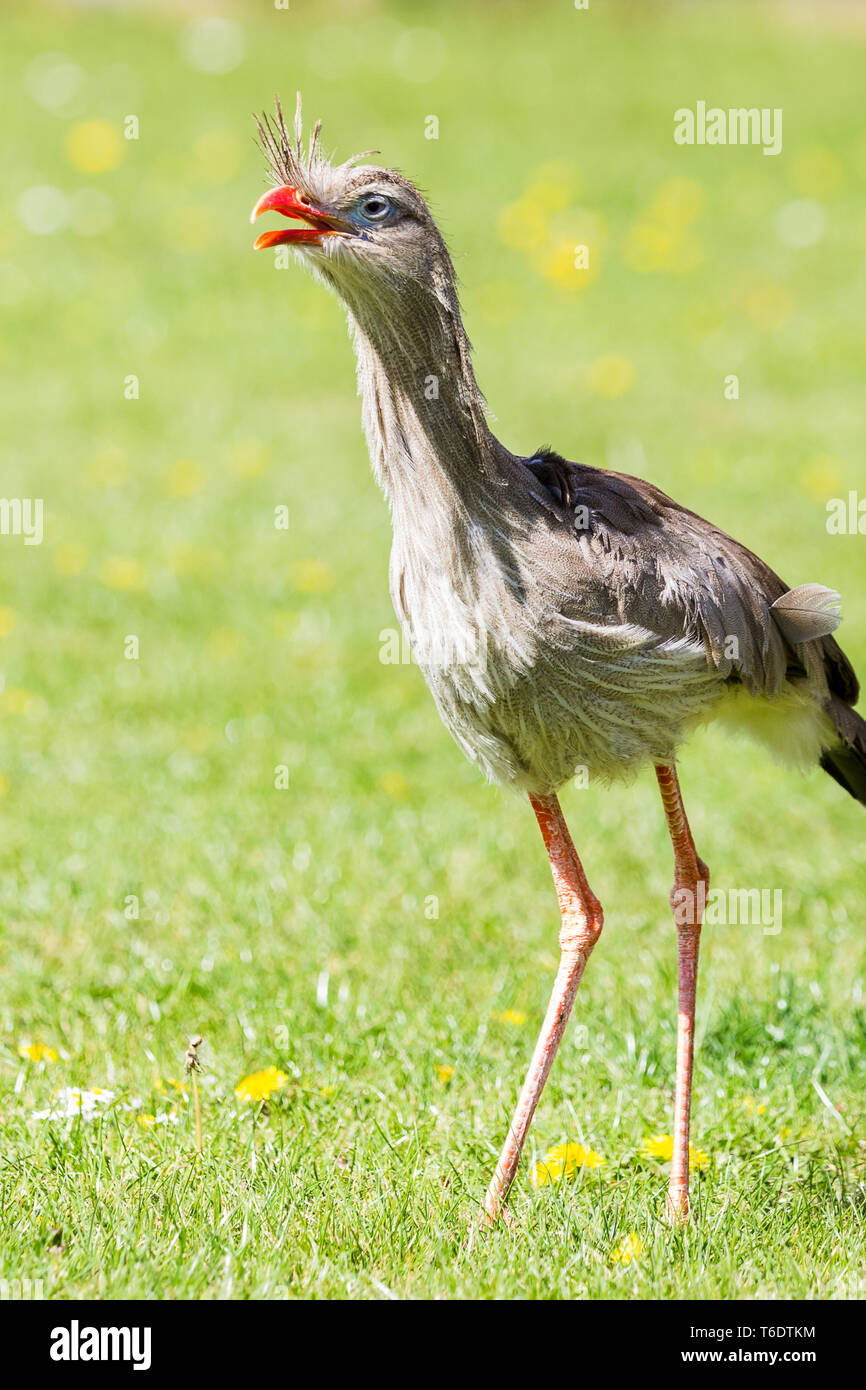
<point>581,927</point>
<point>688,899</point>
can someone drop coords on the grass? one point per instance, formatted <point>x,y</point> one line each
<point>385,915</point>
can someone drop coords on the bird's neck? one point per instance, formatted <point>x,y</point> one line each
<point>423,411</point>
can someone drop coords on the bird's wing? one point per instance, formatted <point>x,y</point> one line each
<point>672,572</point>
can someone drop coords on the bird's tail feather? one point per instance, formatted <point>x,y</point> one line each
<point>845,760</point>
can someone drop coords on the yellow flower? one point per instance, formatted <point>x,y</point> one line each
<point>108,468</point>
<point>248,459</point>
<point>659,1146</point>
<point>553,187</point>
<point>662,1146</point>
<point>168,1117</point>
<point>569,261</point>
<point>648,247</point>
<point>192,561</point>
<point>327,1090</point>
<point>199,738</point>
<point>751,1108</point>
<point>224,643</point>
<point>660,240</point>
<point>123,572</point>
<point>37,1052</point>
<point>677,202</point>
<point>522,225</point>
<point>18,701</point>
<point>395,784</point>
<point>611,376</point>
<point>512,1016</point>
<point>629,1249</point>
<point>261,1084</point>
<point>823,477</point>
<point>185,478</point>
<point>94,147</point>
<point>180,1087</point>
<point>312,577</point>
<point>563,1160</point>
<point>70,559</point>
<point>444,1072</point>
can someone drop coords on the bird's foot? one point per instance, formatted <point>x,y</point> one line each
<point>677,1207</point>
<point>484,1222</point>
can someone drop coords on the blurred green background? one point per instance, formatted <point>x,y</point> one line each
<point>383,929</point>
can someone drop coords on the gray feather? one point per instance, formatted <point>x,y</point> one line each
<point>807,612</point>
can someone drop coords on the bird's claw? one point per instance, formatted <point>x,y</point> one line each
<point>484,1222</point>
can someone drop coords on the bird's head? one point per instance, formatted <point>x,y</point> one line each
<point>366,230</point>
<point>368,234</point>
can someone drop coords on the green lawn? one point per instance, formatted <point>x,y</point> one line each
<point>383,929</point>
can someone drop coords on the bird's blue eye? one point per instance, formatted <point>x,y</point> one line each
<point>375,207</point>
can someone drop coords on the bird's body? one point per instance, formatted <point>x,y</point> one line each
<point>550,650</point>
<point>533,671</point>
<point>564,617</point>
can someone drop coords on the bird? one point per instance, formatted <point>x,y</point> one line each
<point>563,616</point>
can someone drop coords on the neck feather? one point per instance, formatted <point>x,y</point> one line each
<point>423,411</point>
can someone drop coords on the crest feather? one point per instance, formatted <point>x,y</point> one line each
<point>289,162</point>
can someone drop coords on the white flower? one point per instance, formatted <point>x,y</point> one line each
<point>72,1101</point>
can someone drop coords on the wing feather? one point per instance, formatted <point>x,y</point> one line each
<point>669,570</point>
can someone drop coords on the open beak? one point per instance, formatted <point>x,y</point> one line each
<point>290,202</point>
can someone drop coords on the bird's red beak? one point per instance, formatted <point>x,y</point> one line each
<point>290,202</point>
